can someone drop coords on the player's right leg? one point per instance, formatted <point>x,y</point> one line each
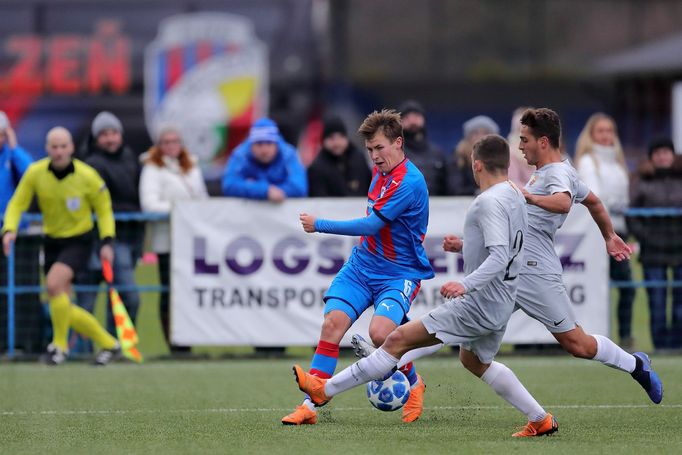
<point>544,298</point>
<point>603,350</point>
<point>58,281</point>
<point>336,324</point>
<point>345,300</point>
<point>363,348</point>
<point>381,362</point>
<point>477,357</point>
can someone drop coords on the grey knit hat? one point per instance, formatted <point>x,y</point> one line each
<point>106,120</point>
<point>480,122</point>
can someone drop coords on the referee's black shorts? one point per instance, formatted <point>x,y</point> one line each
<point>72,251</point>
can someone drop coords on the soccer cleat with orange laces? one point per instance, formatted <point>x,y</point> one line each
<point>301,416</point>
<point>546,426</point>
<point>312,385</point>
<point>415,404</point>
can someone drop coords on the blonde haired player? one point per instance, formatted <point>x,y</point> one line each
<point>477,314</point>
<point>68,191</point>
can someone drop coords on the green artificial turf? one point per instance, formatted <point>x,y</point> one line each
<point>235,406</point>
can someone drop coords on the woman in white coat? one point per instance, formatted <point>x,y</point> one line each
<point>169,174</point>
<point>601,165</point>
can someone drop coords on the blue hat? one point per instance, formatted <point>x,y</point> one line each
<point>264,130</point>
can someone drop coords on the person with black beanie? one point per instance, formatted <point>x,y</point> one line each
<point>430,160</point>
<point>340,169</point>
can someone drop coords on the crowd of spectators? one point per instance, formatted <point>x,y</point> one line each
<point>266,167</point>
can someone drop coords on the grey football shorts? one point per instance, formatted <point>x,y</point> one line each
<point>455,322</point>
<point>544,298</point>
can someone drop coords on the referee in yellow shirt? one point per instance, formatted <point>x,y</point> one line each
<point>68,191</point>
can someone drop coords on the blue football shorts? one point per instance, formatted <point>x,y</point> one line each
<point>353,290</point>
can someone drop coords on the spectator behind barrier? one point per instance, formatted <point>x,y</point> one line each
<point>120,168</point>
<point>428,157</point>
<point>461,177</point>
<point>265,167</point>
<point>340,169</point>
<point>658,183</point>
<point>601,165</point>
<point>519,169</point>
<point>13,161</point>
<point>169,174</point>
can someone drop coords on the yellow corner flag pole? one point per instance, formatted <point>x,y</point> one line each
<point>125,330</point>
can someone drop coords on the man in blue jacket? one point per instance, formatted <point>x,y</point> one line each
<point>14,161</point>
<point>265,167</point>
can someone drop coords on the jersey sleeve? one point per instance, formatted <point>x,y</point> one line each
<point>558,181</point>
<point>495,263</point>
<point>494,223</point>
<point>581,191</point>
<point>21,200</point>
<point>100,200</point>
<point>397,198</point>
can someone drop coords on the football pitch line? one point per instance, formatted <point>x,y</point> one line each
<point>340,409</point>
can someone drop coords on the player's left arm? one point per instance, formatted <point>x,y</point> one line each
<point>494,264</point>
<point>615,246</point>
<point>494,225</point>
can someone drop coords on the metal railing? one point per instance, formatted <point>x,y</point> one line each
<point>12,290</point>
<point>650,212</point>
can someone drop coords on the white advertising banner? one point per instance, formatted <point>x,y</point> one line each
<point>245,273</point>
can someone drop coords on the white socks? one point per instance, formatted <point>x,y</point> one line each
<point>609,353</point>
<point>418,353</point>
<point>375,366</point>
<point>505,383</point>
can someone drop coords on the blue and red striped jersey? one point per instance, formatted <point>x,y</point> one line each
<point>401,199</point>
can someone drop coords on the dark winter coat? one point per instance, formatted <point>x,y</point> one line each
<point>430,160</point>
<point>339,176</point>
<point>660,237</point>
<point>121,173</point>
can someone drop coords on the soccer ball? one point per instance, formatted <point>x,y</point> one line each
<point>390,394</point>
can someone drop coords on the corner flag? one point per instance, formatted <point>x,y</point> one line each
<point>125,330</point>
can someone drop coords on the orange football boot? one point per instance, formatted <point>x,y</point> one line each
<point>312,385</point>
<point>302,415</point>
<point>415,404</point>
<point>548,425</point>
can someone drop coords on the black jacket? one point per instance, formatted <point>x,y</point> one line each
<point>660,237</point>
<point>339,176</point>
<point>430,160</point>
<point>121,172</point>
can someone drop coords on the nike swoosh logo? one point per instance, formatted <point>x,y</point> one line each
<point>556,324</point>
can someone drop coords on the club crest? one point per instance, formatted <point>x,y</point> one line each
<point>207,74</point>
